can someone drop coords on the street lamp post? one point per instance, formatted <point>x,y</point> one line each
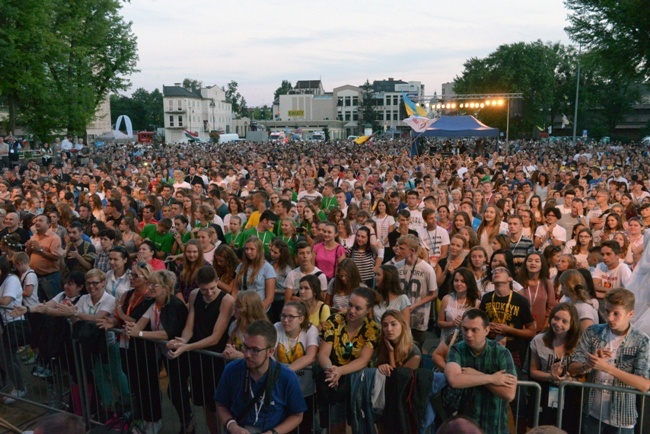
<point>212,106</point>
<point>575,112</point>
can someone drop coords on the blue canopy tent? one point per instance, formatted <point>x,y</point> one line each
<point>456,126</point>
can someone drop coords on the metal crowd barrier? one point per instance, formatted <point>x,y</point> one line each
<point>103,383</point>
<point>642,404</point>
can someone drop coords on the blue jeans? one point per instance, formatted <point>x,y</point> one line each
<point>590,426</point>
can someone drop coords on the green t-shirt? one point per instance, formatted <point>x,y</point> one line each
<point>266,237</point>
<point>327,203</point>
<point>163,242</point>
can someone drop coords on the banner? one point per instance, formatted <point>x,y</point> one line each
<point>419,124</point>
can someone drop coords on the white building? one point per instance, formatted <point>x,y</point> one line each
<point>195,110</point>
<point>388,101</point>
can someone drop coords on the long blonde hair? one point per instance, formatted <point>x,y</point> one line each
<point>254,264</point>
<point>250,308</point>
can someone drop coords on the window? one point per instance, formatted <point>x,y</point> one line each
<point>171,104</point>
<point>395,115</point>
<point>179,104</point>
<point>387,101</point>
<point>348,100</point>
<point>395,100</point>
<point>347,116</point>
<point>180,121</point>
<point>171,121</point>
<point>355,100</point>
<point>355,116</point>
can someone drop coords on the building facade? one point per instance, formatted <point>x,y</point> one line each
<point>198,111</point>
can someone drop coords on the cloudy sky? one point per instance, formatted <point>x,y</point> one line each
<point>260,43</point>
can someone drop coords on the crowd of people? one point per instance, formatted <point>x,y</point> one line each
<point>334,257</point>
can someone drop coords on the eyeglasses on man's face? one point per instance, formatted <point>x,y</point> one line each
<point>254,351</point>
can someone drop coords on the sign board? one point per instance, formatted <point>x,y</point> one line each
<point>297,113</point>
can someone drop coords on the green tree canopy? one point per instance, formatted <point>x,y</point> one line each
<point>367,112</point>
<point>144,108</point>
<point>190,83</point>
<point>73,54</point>
<point>619,31</point>
<point>284,89</point>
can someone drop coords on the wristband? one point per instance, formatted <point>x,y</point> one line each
<point>230,422</point>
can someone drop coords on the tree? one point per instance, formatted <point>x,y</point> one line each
<point>144,108</point>
<point>71,55</point>
<point>367,112</point>
<point>619,31</point>
<point>192,84</point>
<point>528,68</point>
<point>284,89</point>
<point>22,50</point>
<point>232,96</point>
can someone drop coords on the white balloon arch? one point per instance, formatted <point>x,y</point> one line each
<point>127,124</point>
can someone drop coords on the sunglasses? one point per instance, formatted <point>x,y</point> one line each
<point>348,350</point>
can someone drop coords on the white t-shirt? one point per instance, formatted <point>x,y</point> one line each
<point>117,286</point>
<point>417,283</point>
<point>11,288</point>
<point>559,233</point>
<point>616,278</point>
<point>29,277</point>
<point>601,404</point>
<point>416,222</point>
<point>105,304</point>
<point>294,276</point>
<point>434,240</point>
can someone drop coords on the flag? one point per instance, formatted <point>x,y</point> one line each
<point>419,124</point>
<point>539,128</point>
<point>363,139</point>
<point>190,135</point>
<point>565,120</point>
<point>411,108</point>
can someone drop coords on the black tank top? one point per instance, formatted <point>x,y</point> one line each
<point>205,317</point>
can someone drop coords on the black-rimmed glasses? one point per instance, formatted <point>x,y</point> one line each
<point>254,351</point>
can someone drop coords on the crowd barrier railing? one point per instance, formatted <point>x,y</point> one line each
<point>642,425</point>
<point>101,383</point>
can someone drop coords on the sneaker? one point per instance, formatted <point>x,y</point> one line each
<point>43,373</point>
<point>153,427</point>
<point>14,393</point>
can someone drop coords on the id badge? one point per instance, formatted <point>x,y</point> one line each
<point>553,396</point>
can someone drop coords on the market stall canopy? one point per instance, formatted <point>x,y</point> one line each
<point>460,126</point>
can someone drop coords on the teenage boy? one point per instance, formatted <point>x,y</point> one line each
<point>412,201</point>
<point>614,354</point>
<point>262,230</point>
<point>520,246</point>
<point>510,316</point>
<point>418,281</point>
<point>610,273</point>
<point>434,238</point>
<point>403,218</point>
<point>305,255</point>
<point>329,201</point>
<point>551,233</point>
<point>259,202</point>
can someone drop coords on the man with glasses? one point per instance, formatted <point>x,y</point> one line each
<point>258,394</point>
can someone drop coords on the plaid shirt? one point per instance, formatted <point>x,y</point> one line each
<point>489,411</point>
<point>632,357</point>
<point>102,262</point>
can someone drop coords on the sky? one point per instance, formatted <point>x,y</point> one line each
<point>260,43</point>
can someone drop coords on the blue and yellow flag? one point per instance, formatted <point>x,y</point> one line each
<point>363,139</point>
<point>411,108</point>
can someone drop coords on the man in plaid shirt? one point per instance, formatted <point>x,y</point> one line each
<point>487,372</point>
<point>617,355</point>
